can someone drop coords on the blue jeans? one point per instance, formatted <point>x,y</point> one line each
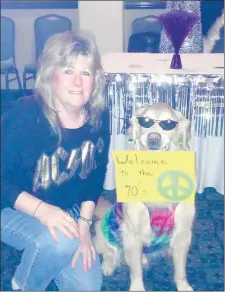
<point>44,259</point>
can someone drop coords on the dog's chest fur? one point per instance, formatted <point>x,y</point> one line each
<point>161,222</point>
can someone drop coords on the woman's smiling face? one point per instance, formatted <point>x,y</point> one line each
<point>74,84</point>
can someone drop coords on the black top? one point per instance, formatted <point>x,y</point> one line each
<point>32,160</point>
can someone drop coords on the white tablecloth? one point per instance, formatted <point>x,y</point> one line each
<point>209,147</point>
<point>139,63</point>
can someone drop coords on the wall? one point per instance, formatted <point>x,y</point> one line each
<point>105,20</point>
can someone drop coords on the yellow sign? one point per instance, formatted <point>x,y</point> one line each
<point>143,176</point>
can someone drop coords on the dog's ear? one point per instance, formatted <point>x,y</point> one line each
<point>133,131</point>
<point>183,131</point>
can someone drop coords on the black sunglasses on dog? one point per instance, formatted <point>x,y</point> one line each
<point>166,125</point>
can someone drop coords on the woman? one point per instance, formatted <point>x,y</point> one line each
<point>54,158</point>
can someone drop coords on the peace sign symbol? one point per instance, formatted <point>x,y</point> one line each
<point>175,192</point>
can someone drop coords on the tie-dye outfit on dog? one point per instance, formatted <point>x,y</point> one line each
<point>161,223</point>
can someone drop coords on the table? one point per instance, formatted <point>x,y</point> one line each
<point>197,91</point>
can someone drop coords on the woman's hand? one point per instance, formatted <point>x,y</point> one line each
<point>54,217</point>
<point>87,249</point>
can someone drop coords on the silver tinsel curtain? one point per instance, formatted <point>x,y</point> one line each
<point>194,41</point>
<point>199,97</point>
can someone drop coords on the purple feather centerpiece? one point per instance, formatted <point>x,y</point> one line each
<point>178,24</point>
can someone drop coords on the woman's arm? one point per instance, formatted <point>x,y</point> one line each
<point>27,203</point>
<point>15,134</point>
<point>51,216</point>
<point>16,128</point>
<point>86,211</point>
<point>94,183</point>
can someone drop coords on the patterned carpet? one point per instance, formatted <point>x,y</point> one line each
<point>205,266</point>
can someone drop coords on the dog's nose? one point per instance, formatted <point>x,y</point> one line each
<point>154,141</point>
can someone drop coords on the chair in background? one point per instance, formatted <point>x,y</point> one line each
<point>146,35</point>
<point>146,42</point>
<point>8,62</point>
<point>44,27</point>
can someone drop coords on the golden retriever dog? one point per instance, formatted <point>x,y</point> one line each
<point>136,230</point>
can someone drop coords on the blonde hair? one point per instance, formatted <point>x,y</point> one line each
<point>60,51</point>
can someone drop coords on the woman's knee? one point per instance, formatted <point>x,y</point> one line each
<point>87,284</point>
<point>93,277</point>
<point>79,280</point>
<point>61,248</point>
<point>92,284</point>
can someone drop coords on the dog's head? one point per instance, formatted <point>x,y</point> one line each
<point>159,127</point>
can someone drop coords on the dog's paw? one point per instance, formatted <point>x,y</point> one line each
<point>137,287</point>
<point>108,267</point>
<point>182,285</point>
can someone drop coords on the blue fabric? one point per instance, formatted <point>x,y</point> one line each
<point>43,258</point>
